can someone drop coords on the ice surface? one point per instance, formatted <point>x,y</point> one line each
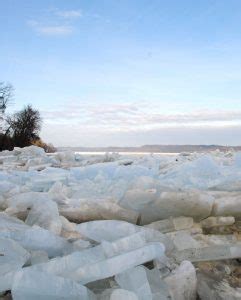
<point>69,220</point>
<point>38,208</point>
<point>37,238</point>
<point>120,294</point>
<point>172,224</point>
<point>146,284</point>
<point>109,230</point>
<point>135,280</point>
<point>8,223</point>
<point>169,204</point>
<point>216,252</point>
<point>12,256</point>
<point>217,221</point>
<point>95,264</point>
<point>102,209</point>
<point>183,282</point>
<point>29,285</point>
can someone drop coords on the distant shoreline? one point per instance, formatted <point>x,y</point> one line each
<point>168,149</point>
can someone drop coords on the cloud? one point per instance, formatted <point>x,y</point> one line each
<point>51,30</point>
<point>130,116</point>
<point>133,124</point>
<point>69,14</point>
<point>53,25</point>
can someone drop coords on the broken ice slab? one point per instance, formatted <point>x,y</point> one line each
<point>182,283</point>
<point>107,230</point>
<point>216,252</point>
<point>6,281</point>
<point>195,204</point>
<point>117,294</point>
<point>93,264</point>
<point>12,256</point>
<point>146,284</point>
<point>38,257</point>
<point>102,209</point>
<point>183,240</point>
<point>66,266</point>
<point>136,240</point>
<point>37,238</point>
<point>8,223</point>
<point>135,280</point>
<point>228,205</point>
<point>121,294</point>
<point>44,180</point>
<point>172,224</point>
<point>158,286</point>
<point>38,208</point>
<point>200,172</point>
<point>29,285</point>
<point>139,198</point>
<point>116,264</point>
<point>32,151</point>
<point>46,215</point>
<point>217,221</point>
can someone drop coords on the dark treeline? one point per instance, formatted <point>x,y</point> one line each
<point>22,128</point>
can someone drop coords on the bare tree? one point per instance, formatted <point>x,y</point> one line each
<point>6,95</point>
<point>24,126</point>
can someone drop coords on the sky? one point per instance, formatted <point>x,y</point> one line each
<point>126,72</point>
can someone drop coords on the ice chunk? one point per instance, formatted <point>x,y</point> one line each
<point>116,264</point>
<point>39,208</point>
<point>138,199</point>
<point>46,215</point>
<point>12,256</point>
<point>183,240</point>
<point>217,221</point>
<point>200,173</point>
<point>227,206</point>
<point>30,151</point>
<point>146,284</point>
<point>135,280</point>
<point>6,281</point>
<point>100,209</point>
<point>94,264</point>
<point>183,282</point>
<point>29,285</point>
<point>137,240</point>
<point>172,204</point>
<point>120,294</point>
<point>108,230</point>
<point>38,257</point>
<point>158,286</point>
<point>217,252</point>
<point>37,238</point>
<point>172,224</point>
<point>8,223</point>
<point>67,265</point>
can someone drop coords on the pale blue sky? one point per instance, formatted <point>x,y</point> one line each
<point>126,72</point>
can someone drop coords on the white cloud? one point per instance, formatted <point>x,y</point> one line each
<point>69,14</point>
<point>51,30</point>
<point>130,116</point>
<point>53,26</point>
<point>57,30</point>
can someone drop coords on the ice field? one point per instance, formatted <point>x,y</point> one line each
<point>119,227</point>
